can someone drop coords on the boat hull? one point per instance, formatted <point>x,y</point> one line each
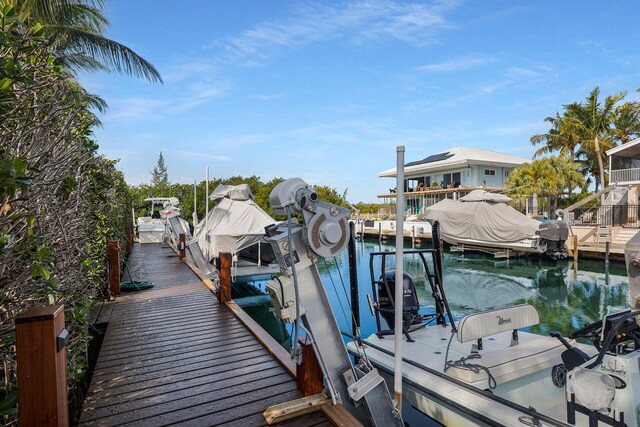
<point>525,246</point>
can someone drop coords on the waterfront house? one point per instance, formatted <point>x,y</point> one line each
<point>450,173</point>
<point>624,167</point>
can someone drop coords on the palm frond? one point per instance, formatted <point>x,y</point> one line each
<point>113,55</point>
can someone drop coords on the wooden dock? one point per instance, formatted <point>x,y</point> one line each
<point>174,355</point>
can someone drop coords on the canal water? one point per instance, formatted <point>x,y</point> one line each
<point>565,295</point>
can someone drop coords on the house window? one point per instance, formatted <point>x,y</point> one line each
<point>490,172</point>
<point>506,173</point>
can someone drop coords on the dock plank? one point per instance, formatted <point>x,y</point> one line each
<point>173,355</point>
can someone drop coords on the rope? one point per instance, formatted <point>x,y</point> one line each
<point>473,367</point>
<point>134,285</point>
<point>362,354</point>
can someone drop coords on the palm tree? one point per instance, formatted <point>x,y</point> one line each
<point>559,138</point>
<point>594,120</point>
<point>532,178</point>
<point>75,31</point>
<point>626,124</point>
<point>568,175</point>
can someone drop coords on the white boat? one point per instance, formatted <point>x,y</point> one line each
<point>482,220</point>
<point>483,370</point>
<point>153,229</point>
<point>236,224</point>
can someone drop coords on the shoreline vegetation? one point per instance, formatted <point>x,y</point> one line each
<point>60,200</point>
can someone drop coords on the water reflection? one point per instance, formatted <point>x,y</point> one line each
<point>565,297</point>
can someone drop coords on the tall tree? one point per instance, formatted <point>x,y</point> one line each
<point>532,178</point>
<point>75,30</point>
<point>595,119</point>
<point>160,177</point>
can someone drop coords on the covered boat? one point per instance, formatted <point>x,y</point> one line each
<point>236,225</point>
<point>485,220</point>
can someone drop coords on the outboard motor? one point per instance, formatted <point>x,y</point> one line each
<point>555,234</point>
<point>410,304</point>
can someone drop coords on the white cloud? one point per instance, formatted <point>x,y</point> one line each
<point>463,63</point>
<point>198,155</point>
<point>357,22</point>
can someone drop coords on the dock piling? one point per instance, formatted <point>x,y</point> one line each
<point>181,246</point>
<point>113,256</point>
<point>308,373</point>
<point>42,367</point>
<point>225,277</point>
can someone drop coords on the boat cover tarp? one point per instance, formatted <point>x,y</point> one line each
<point>472,217</point>
<point>235,222</point>
<point>233,192</point>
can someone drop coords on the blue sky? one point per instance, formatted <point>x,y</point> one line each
<point>327,90</point>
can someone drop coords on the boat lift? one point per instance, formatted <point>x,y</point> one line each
<point>325,232</point>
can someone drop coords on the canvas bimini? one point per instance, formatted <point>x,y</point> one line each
<point>482,220</point>
<point>482,370</point>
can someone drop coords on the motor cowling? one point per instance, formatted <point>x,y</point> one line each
<point>386,299</point>
<point>555,234</point>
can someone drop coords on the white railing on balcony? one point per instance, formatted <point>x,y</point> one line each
<point>625,175</point>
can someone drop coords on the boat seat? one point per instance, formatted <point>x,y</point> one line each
<point>506,355</point>
<point>486,323</point>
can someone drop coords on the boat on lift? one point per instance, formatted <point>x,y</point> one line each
<point>482,369</point>
<point>484,221</point>
<point>153,228</point>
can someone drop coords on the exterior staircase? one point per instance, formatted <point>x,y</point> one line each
<point>623,235</point>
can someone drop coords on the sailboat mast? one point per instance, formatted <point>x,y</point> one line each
<point>399,295</point>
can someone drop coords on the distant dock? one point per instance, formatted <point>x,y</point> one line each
<point>589,246</point>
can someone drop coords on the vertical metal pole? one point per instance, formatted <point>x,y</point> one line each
<point>353,279</point>
<point>206,199</point>
<point>380,232</point>
<point>195,198</point>
<point>397,371</point>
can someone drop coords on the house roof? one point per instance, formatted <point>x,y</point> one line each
<point>630,149</point>
<point>457,157</point>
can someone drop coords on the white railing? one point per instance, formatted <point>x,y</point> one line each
<point>625,175</point>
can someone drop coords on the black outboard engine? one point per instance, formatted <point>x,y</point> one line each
<point>555,234</point>
<point>410,303</point>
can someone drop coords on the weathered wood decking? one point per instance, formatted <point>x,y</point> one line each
<point>173,355</point>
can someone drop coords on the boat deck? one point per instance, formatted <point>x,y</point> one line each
<point>174,355</point>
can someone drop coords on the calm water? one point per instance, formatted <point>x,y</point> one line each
<point>565,297</point>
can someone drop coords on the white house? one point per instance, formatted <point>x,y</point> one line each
<point>453,171</point>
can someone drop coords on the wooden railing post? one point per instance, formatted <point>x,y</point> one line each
<point>308,373</point>
<point>181,246</point>
<point>225,277</point>
<point>129,233</point>
<point>42,367</point>
<point>113,250</point>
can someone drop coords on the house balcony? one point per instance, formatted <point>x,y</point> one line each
<point>625,176</point>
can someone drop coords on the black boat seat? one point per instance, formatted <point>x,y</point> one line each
<point>503,352</point>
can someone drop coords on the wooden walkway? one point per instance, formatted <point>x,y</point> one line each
<point>173,355</point>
